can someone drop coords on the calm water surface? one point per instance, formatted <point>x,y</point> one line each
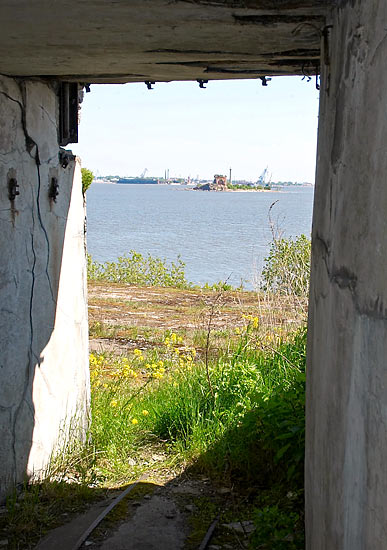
<point>219,236</point>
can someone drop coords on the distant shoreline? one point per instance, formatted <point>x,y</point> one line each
<point>275,188</point>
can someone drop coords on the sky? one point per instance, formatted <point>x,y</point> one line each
<point>236,124</point>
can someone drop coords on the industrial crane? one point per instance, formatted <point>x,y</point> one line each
<point>144,173</point>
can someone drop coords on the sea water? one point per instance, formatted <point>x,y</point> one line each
<point>219,236</point>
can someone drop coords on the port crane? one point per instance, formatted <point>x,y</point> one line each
<point>262,178</point>
<point>143,174</point>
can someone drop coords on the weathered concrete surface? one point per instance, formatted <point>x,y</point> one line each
<point>43,321</point>
<point>162,40</point>
<point>157,525</point>
<point>346,472</point>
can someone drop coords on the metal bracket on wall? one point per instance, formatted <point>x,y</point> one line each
<point>13,189</point>
<point>68,113</point>
<point>65,157</point>
<point>53,190</point>
<point>201,83</point>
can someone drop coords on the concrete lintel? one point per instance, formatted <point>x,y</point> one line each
<point>119,41</point>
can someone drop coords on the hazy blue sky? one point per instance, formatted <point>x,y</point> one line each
<point>240,124</point>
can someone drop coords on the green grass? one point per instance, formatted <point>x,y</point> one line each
<point>239,420</point>
<point>250,403</point>
<point>37,508</point>
<point>242,423</point>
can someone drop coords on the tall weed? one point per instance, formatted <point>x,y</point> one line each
<point>287,267</point>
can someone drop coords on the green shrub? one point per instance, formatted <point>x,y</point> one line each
<point>287,267</point>
<point>278,527</point>
<point>137,269</point>
<point>87,178</point>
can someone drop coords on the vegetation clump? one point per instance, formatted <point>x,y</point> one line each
<point>244,424</point>
<point>137,269</point>
<point>287,267</point>
<point>245,187</point>
<point>87,179</point>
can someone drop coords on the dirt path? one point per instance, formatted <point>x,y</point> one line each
<point>174,515</point>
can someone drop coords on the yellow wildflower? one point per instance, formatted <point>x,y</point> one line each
<point>113,403</point>
<point>134,421</point>
<point>137,353</point>
<point>145,412</point>
<point>159,373</point>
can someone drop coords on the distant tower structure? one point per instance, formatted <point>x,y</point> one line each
<point>230,180</point>
<point>220,183</point>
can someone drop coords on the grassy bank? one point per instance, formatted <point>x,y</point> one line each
<point>186,381</point>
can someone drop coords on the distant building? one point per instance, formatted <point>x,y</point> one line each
<point>220,182</point>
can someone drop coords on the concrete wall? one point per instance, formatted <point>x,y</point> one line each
<point>43,318</point>
<point>346,466</point>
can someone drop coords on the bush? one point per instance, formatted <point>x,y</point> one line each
<point>279,527</point>
<point>287,267</point>
<point>136,269</point>
<point>87,178</point>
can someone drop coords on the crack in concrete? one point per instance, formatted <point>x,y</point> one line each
<point>378,47</point>
<point>45,234</point>
<point>345,279</point>
<point>30,355</point>
<point>32,143</point>
<point>53,122</point>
